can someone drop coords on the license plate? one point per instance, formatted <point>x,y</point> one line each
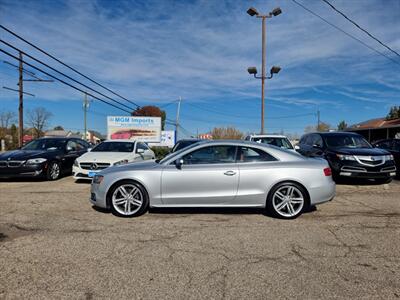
<point>92,173</point>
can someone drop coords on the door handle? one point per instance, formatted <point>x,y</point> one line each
<point>230,173</point>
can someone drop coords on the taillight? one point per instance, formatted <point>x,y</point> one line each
<point>328,172</point>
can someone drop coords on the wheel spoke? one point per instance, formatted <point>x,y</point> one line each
<point>136,202</point>
<point>280,195</point>
<point>281,205</point>
<point>119,201</point>
<point>127,207</point>
<point>134,192</point>
<point>290,191</point>
<point>296,200</point>
<point>123,191</point>
<point>290,208</point>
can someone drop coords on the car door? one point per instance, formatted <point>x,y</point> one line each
<point>257,171</point>
<point>304,145</point>
<point>207,176</point>
<point>71,153</point>
<point>316,146</point>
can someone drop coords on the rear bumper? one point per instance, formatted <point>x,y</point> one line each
<point>323,193</point>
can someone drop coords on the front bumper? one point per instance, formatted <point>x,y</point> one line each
<point>354,169</point>
<point>98,195</point>
<point>23,171</point>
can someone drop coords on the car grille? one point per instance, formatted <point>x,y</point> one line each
<point>353,169</point>
<point>389,169</point>
<point>371,161</point>
<point>93,165</point>
<point>11,163</point>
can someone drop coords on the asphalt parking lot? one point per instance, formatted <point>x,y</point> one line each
<point>54,244</point>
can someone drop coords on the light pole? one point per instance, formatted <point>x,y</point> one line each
<point>274,70</point>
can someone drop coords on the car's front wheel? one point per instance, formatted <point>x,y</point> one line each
<point>287,200</point>
<point>128,199</point>
<point>53,171</point>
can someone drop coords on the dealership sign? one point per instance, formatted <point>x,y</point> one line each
<point>144,129</point>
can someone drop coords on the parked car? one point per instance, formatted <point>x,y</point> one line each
<point>271,139</point>
<point>184,143</point>
<point>349,155</point>
<point>207,174</point>
<point>110,153</point>
<point>45,157</point>
<point>393,146</point>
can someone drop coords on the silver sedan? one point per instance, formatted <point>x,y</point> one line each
<point>217,174</point>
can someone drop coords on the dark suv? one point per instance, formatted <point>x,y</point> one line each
<point>45,157</point>
<point>393,146</point>
<point>349,155</point>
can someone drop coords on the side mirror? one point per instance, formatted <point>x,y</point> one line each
<point>179,163</point>
<point>140,151</point>
<point>89,149</point>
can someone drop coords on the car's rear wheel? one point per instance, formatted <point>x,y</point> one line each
<point>287,200</point>
<point>53,171</point>
<point>128,199</point>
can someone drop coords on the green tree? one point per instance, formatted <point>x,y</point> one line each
<point>151,111</point>
<point>342,126</point>
<point>394,113</point>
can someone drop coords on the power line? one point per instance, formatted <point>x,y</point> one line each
<point>66,65</point>
<point>63,74</point>
<point>346,33</point>
<point>359,27</point>
<point>64,82</point>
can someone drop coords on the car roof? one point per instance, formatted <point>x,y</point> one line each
<point>120,140</point>
<point>336,133</point>
<point>268,136</point>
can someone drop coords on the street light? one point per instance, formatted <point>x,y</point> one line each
<point>253,70</point>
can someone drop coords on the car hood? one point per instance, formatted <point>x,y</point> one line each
<point>360,151</point>
<point>107,157</point>
<point>134,166</point>
<point>27,154</point>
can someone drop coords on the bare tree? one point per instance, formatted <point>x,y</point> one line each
<point>228,133</point>
<point>6,118</point>
<point>38,119</point>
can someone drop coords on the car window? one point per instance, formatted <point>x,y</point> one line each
<point>211,155</point>
<point>348,141</point>
<point>45,144</point>
<point>280,142</point>
<point>384,145</point>
<point>72,145</point>
<point>182,144</point>
<point>141,146</point>
<point>315,139</point>
<point>248,154</point>
<point>81,145</point>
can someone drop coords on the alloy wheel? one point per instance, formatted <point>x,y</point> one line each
<point>288,201</point>
<point>54,171</point>
<point>127,199</point>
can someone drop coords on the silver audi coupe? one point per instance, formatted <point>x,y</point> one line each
<point>217,174</point>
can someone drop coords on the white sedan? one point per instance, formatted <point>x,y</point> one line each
<point>110,153</point>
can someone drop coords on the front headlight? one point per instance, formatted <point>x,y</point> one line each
<point>35,161</point>
<point>121,162</point>
<point>97,179</point>
<point>389,157</point>
<point>76,164</point>
<point>345,157</point>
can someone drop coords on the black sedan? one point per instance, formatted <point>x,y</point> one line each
<point>349,155</point>
<point>49,158</point>
<point>393,146</point>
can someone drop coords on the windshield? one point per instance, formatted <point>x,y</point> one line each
<point>114,147</point>
<point>168,156</point>
<point>275,141</point>
<point>349,141</point>
<point>45,144</point>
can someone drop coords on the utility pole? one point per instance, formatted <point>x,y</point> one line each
<point>85,108</point>
<point>253,70</point>
<point>177,118</point>
<point>21,102</point>
<point>263,75</point>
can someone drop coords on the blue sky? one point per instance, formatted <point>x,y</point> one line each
<point>152,52</point>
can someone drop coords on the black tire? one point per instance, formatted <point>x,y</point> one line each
<point>51,174</point>
<point>301,208</point>
<point>116,210</point>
